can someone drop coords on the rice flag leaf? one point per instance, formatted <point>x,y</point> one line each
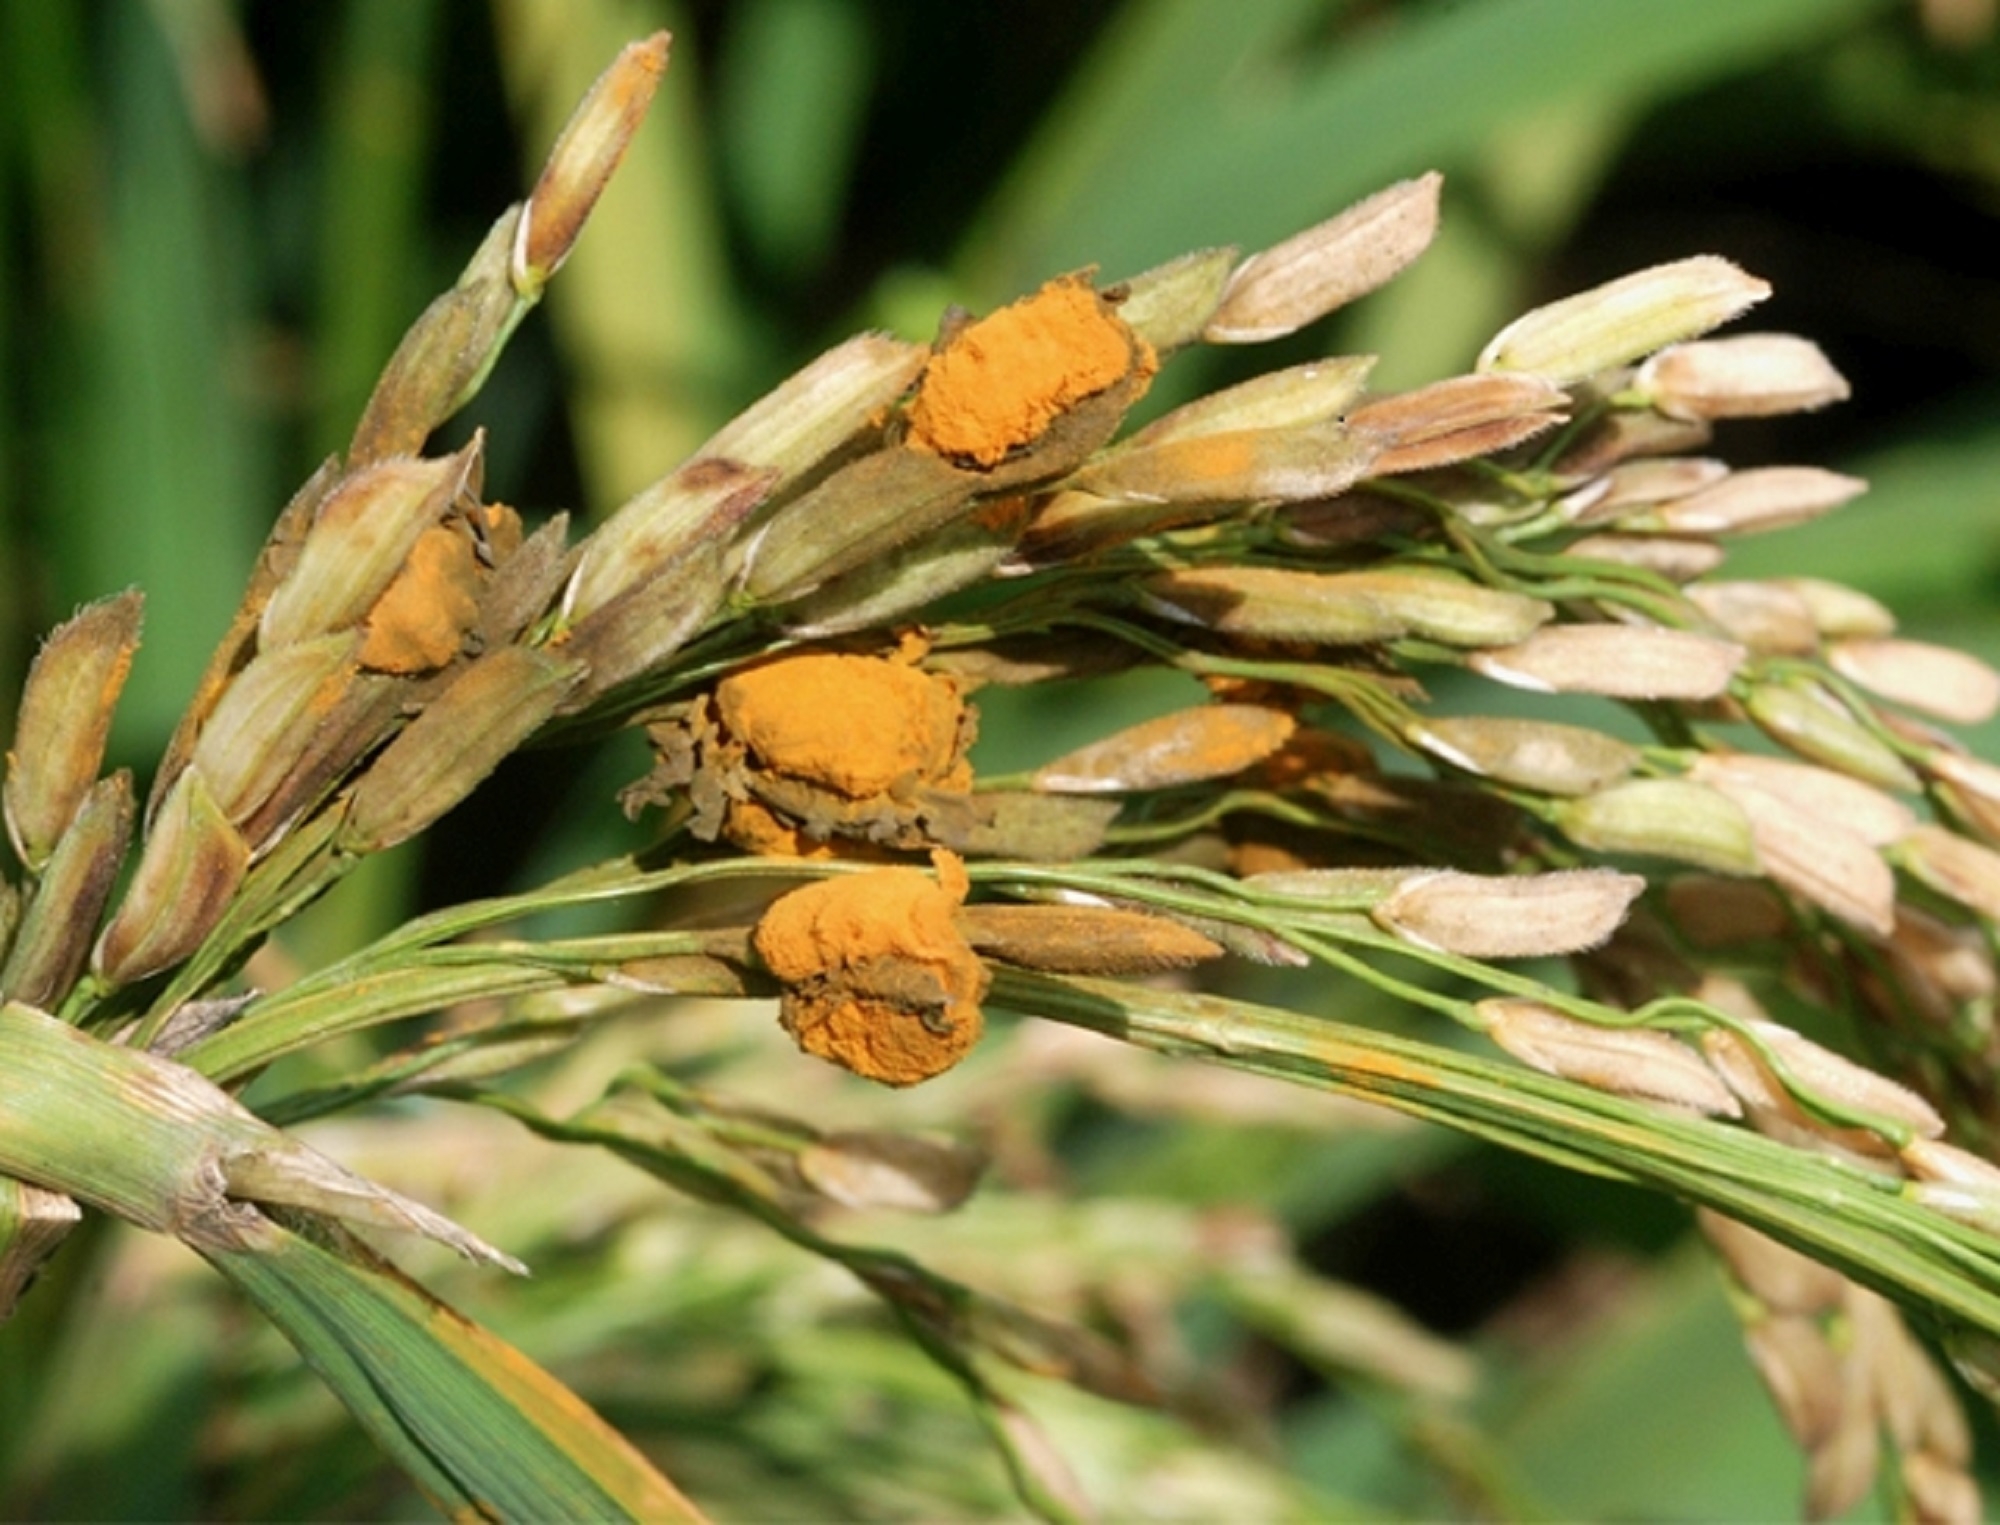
<point>483,1431</point>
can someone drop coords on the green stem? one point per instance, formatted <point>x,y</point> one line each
<point>1846,1217</point>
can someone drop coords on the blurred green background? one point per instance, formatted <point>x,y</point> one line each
<point>215,221</point>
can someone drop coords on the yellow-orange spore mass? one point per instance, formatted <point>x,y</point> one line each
<point>419,622</point>
<point>856,725</point>
<point>756,830</point>
<point>877,977</point>
<point>1000,382</point>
